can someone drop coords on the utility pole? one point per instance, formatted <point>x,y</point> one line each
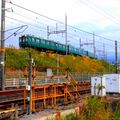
<point>48,32</point>
<point>58,32</point>
<point>116,57</point>
<point>30,82</point>
<point>104,51</point>
<point>2,45</point>
<point>106,54</point>
<point>80,43</point>
<point>66,33</point>
<point>94,50</point>
<point>58,65</point>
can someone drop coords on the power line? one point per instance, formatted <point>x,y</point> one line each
<point>113,17</point>
<point>56,20</point>
<point>35,12</point>
<point>100,11</point>
<point>16,32</point>
<point>16,28</point>
<point>28,17</point>
<point>23,22</point>
<point>59,22</point>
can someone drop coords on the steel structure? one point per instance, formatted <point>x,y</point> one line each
<point>44,96</point>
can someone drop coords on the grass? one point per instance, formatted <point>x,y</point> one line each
<point>95,109</point>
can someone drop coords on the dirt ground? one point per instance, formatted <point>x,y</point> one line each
<point>46,114</point>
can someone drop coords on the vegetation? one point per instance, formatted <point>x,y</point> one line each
<point>92,108</point>
<point>95,109</point>
<point>18,59</point>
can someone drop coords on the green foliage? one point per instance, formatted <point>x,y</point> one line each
<point>18,59</point>
<point>108,67</point>
<point>95,109</point>
<point>116,115</point>
<point>94,105</point>
<point>71,116</point>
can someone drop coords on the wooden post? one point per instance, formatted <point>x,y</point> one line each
<point>12,116</point>
<point>77,110</point>
<point>33,101</point>
<point>55,96</point>
<point>58,115</point>
<point>44,97</point>
<point>65,94</point>
<point>25,99</point>
<point>16,111</point>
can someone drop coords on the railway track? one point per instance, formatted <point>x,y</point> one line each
<point>43,96</point>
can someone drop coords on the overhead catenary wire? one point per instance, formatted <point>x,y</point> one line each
<point>45,31</point>
<point>16,32</point>
<point>24,22</point>
<point>42,29</point>
<point>16,28</point>
<point>104,12</point>
<point>28,18</point>
<point>76,29</point>
<point>98,10</point>
<point>56,20</point>
<point>35,12</point>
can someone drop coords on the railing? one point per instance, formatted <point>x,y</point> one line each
<point>18,79</point>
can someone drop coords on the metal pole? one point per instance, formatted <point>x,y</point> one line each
<point>56,27</point>
<point>30,81</point>
<point>104,51</point>
<point>58,65</point>
<point>66,33</point>
<point>48,32</point>
<point>94,50</point>
<point>106,54</point>
<point>2,52</point>
<point>116,57</point>
<point>80,43</point>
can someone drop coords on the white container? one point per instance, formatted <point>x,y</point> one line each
<point>112,83</point>
<point>98,86</point>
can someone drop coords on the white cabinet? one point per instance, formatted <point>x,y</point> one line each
<point>98,86</point>
<point>112,83</point>
<point>107,83</point>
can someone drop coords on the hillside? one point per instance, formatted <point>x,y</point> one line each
<point>18,59</point>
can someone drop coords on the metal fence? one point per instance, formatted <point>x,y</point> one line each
<point>19,78</point>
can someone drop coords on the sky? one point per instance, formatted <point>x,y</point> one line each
<point>99,16</point>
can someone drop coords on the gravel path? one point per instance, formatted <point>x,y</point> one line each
<point>46,114</point>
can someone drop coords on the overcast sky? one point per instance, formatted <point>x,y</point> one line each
<point>99,16</point>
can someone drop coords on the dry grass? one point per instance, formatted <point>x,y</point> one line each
<point>95,109</point>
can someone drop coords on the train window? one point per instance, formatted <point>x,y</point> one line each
<point>76,49</point>
<point>42,41</point>
<point>52,44</point>
<point>69,48</point>
<point>56,45</point>
<point>37,40</point>
<point>32,39</point>
<point>60,45</point>
<point>47,42</point>
<point>64,47</point>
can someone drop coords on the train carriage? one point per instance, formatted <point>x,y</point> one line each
<point>44,44</point>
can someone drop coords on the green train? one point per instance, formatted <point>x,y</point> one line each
<point>44,45</point>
